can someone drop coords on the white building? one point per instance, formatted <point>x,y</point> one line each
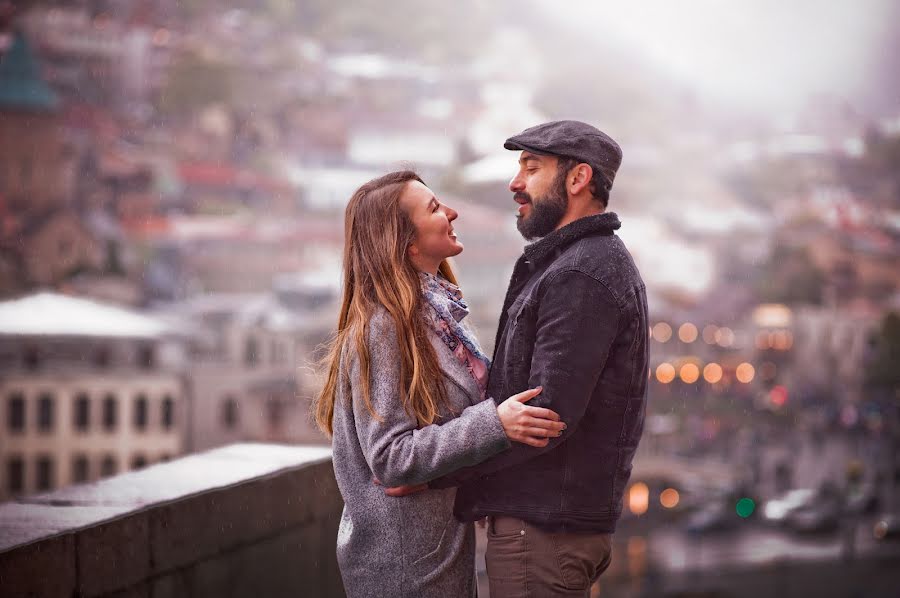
<point>253,371</point>
<point>87,390</point>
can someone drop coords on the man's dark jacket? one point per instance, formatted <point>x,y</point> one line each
<point>575,322</point>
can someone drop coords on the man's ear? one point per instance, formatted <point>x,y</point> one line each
<point>579,179</point>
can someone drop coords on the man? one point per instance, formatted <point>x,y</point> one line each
<point>574,321</point>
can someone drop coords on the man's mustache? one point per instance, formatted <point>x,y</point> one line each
<point>521,196</point>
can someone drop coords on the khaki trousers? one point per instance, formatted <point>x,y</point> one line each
<point>524,561</point>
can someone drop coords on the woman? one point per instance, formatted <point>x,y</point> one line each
<point>404,397</point>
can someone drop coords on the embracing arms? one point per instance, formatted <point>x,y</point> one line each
<point>400,453</point>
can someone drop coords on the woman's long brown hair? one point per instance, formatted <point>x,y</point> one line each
<point>377,272</point>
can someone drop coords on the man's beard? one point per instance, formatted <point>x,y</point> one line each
<point>546,212</point>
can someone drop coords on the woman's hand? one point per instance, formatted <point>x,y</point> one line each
<point>534,426</point>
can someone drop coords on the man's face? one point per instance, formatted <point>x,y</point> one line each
<point>540,193</point>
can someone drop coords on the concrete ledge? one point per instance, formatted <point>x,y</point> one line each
<point>242,519</point>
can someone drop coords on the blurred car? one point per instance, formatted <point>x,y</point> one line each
<point>887,527</point>
<point>815,518</point>
<point>712,518</point>
<point>776,510</point>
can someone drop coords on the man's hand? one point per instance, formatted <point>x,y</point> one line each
<point>402,490</point>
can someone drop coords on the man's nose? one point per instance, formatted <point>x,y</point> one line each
<point>516,184</point>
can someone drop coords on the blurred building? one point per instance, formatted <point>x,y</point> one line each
<point>32,149</point>
<point>100,60</point>
<point>42,240</point>
<point>251,375</point>
<point>88,390</point>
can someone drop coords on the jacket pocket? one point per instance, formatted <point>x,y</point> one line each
<point>427,524</point>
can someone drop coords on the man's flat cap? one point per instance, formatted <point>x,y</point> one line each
<point>572,139</point>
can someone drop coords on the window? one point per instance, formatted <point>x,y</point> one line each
<point>44,474</point>
<point>102,357</point>
<point>110,412</point>
<point>230,416</point>
<point>15,412</point>
<point>139,461</point>
<point>274,412</point>
<point>82,414</point>
<point>108,466</point>
<point>46,408</point>
<point>140,412</point>
<point>251,352</point>
<point>31,357</point>
<point>15,475</point>
<point>80,469</point>
<point>146,357</point>
<point>168,412</point>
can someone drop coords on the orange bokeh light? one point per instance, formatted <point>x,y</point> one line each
<point>669,498</point>
<point>745,373</point>
<point>689,373</point>
<point>662,332</point>
<point>712,373</point>
<point>687,332</point>
<point>639,498</point>
<point>665,372</point>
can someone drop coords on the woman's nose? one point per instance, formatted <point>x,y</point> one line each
<point>451,214</point>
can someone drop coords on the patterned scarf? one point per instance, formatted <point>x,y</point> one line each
<point>445,317</point>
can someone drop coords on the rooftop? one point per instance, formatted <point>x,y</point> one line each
<point>53,314</point>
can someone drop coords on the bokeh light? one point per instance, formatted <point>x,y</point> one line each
<point>745,373</point>
<point>638,498</point>
<point>689,373</point>
<point>724,336</point>
<point>687,332</point>
<point>665,372</point>
<point>712,372</point>
<point>779,396</point>
<point>709,334</point>
<point>745,507</point>
<point>669,498</point>
<point>662,332</point>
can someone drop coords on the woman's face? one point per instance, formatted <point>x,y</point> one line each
<point>435,239</point>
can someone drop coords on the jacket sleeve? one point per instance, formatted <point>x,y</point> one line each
<point>577,322</point>
<point>397,451</point>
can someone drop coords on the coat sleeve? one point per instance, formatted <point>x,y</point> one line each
<point>397,451</point>
<point>574,307</point>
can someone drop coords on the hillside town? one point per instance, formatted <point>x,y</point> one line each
<point>172,183</point>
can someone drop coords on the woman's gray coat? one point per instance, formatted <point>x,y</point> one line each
<point>412,545</point>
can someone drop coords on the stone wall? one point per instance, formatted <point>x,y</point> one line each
<point>243,520</point>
